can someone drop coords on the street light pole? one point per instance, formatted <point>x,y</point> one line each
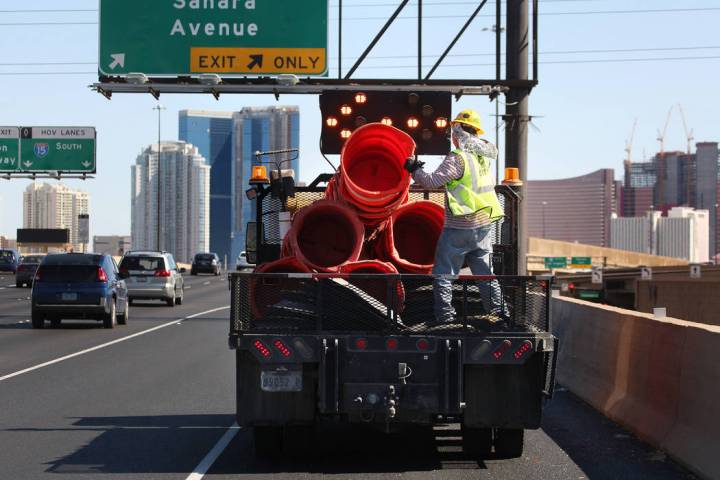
<point>159,109</point>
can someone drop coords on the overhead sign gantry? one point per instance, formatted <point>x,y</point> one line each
<point>189,37</point>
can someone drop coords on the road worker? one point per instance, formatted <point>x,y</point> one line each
<point>471,208</point>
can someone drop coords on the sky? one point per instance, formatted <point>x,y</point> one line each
<point>601,68</point>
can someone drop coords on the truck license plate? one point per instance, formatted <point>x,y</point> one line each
<point>274,381</point>
<point>69,297</point>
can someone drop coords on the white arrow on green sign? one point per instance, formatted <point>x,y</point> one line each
<point>47,149</point>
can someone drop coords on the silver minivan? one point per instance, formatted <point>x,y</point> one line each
<point>152,276</point>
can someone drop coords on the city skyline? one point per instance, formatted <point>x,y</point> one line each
<point>594,118</point>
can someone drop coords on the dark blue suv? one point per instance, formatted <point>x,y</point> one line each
<point>78,285</point>
<point>8,260</point>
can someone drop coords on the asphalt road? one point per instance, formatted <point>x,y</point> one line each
<point>84,402</point>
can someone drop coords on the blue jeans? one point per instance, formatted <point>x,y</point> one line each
<point>454,248</point>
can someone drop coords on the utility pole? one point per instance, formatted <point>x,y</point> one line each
<point>516,109</point>
<point>159,109</point>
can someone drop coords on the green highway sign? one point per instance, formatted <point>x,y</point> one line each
<point>555,262</point>
<point>47,149</point>
<point>186,37</point>
<point>589,294</point>
<point>9,148</point>
<point>581,262</point>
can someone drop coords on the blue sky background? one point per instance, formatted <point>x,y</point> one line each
<point>585,110</point>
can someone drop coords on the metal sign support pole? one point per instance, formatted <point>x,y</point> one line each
<point>516,110</point>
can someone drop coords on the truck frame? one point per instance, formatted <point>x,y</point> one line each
<point>360,348</point>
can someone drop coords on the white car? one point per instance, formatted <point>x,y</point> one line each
<point>242,263</point>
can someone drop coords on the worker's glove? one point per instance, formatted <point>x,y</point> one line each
<point>412,164</point>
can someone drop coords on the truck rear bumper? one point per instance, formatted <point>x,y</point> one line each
<point>418,380</point>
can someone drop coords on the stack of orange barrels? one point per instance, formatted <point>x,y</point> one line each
<point>365,224</point>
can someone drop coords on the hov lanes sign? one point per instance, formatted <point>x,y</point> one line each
<point>47,149</point>
<point>185,37</point>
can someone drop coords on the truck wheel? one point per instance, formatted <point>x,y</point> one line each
<point>38,319</point>
<point>55,322</point>
<point>109,319</point>
<point>477,442</point>
<point>171,301</point>
<point>19,285</point>
<point>509,442</point>
<point>268,441</point>
<point>179,300</point>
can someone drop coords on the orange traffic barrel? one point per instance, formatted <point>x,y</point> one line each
<point>410,238</point>
<point>325,236</point>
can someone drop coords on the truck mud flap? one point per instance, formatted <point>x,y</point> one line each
<point>256,407</point>
<point>507,396</point>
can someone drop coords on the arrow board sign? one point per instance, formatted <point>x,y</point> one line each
<point>186,37</point>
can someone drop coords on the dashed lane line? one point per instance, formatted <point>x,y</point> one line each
<point>199,472</point>
<point>104,345</point>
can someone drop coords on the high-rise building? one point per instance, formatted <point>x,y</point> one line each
<point>55,206</point>
<point>672,179</point>
<point>683,233</point>
<point>184,200</point>
<point>572,209</point>
<point>259,129</point>
<point>211,133</point>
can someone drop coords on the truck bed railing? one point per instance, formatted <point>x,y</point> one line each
<point>401,304</point>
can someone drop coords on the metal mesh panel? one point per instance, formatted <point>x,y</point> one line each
<point>398,304</point>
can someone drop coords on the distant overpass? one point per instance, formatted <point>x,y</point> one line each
<point>539,248</point>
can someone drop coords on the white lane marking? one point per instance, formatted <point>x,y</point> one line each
<point>199,472</point>
<point>113,342</point>
<point>206,283</point>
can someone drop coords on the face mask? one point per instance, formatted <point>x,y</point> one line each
<point>467,142</point>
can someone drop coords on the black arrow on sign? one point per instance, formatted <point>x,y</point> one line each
<point>256,61</point>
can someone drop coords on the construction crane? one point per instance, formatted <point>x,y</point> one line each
<point>688,133</point>
<point>628,144</point>
<point>661,135</point>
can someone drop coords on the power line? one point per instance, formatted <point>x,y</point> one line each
<point>366,5</point>
<point>551,62</point>
<point>551,52</point>
<point>376,67</point>
<point>595,12</point>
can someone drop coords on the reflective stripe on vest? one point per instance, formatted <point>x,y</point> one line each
<point>475,191</point>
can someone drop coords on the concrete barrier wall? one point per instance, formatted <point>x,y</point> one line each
<point>658,378</point>
<point>695,300</point>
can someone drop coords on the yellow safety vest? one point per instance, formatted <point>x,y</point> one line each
<point>475,191</point>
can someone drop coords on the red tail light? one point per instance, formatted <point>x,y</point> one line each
<point>392,344</point>
<point>361,344</point>
<point>162,273</point>
<point>101,277</point>
<point>282,348</point>
<point>260,347</point>
<point>37,276</point>
<point>524,348</point>
<point>423,344</point>
<point>500,351</point>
